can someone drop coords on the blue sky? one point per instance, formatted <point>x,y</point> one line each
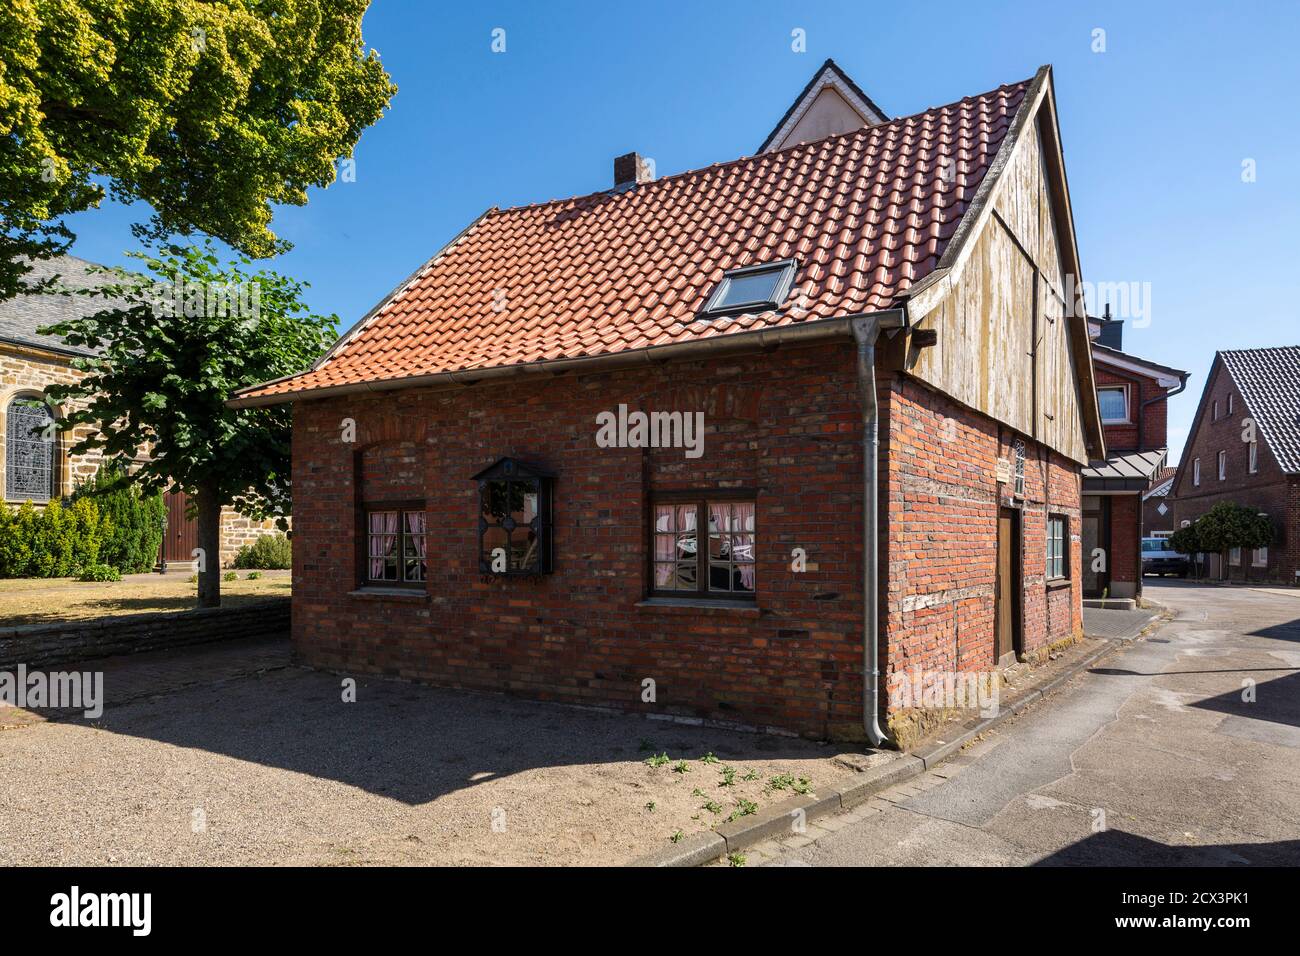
<point>1156,129</point>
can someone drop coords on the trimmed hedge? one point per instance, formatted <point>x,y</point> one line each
<point>106,526</point>
<point>137,521</point>
<point>55,542</point>
<point>267,553</point>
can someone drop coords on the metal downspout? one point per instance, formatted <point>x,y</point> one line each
<point>865,332</point>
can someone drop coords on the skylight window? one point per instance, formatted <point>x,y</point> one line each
<point>755,288</point>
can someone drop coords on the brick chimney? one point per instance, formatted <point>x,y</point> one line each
<point>631,169</point>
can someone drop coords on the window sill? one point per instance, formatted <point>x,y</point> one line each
<point>389,594</point>
<point>696,605</point>
<point>1055,584</point>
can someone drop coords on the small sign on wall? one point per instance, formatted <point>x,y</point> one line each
<point>1004,470</point>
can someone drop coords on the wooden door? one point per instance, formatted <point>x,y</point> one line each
<point>1007,589</point>
<point>182,535</point>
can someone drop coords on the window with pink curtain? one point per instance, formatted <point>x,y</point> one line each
<point>396,546</point>
<point>704,547</point>
<point>415,564</point>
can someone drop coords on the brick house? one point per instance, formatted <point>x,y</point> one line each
<point>1244,447</point>
<point>1133,397</point>
<point>1157,507</point>
<point>882,408</point>
<point>37,464</point>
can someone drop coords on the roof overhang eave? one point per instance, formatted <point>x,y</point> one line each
<point>802,333</point>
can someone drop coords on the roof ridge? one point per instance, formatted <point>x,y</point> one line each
<point>1260,348</point>
<point>867,213</point>
<point>641,187</point>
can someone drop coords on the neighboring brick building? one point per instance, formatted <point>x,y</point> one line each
<point>1244,447</point>
<point>1157,507</point>
<point>36,463</point>
<point>1133,397</point>
<point>474,506</point>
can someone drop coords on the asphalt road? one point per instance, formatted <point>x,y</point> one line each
<point>1183,748</point>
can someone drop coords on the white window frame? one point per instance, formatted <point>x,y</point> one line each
<point>1122,389</point>
<point>1230,403</point>
<point>1223,466</point>
<point>1254,458</point>
<point>1058,549</point>
<point>1214,410</point>
<point>1234,557</point>
<point>1196,472</point>
<point>1259,557</point>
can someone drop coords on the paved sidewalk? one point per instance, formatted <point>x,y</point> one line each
<point>1116,625</point>
<point>1175,750</point>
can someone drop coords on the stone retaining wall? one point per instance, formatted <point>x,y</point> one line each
<point>70,642</point>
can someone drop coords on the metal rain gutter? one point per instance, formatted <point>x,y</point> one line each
<point>866,330</point>
<point>797,334</point>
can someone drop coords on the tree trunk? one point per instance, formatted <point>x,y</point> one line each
<point>209,546</point>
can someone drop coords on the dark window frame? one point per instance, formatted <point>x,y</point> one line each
<point>701,499</point>
<point>1063,556</point>
<point>781,291</point>
<point>403,508</point>
<point>511,471</point>
<point>53,466</point>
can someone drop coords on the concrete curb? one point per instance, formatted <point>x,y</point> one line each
<point>701,848</point>
<point>728,838</point>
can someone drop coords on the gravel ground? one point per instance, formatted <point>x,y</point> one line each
<point>276,769</point>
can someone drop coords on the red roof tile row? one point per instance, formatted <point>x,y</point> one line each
<point>866,214</point>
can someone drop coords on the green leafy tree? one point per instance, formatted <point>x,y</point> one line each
<point>1227,525</point>
<point>209,110</point>
<point>170,354</point>
<point>1186,541</point>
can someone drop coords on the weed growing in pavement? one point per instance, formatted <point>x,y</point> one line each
<point>743,809</point>
<point>781,781</point>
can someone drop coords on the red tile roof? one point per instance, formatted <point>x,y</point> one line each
<point>866,214</point>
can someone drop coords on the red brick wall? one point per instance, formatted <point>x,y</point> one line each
<point>787,425</point>
<point>1155,428</point>
<point>942,535</point>
<point>1268,490</point>
<point>1124,556</point>
<point>1153,520</point>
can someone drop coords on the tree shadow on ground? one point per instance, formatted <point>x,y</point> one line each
<point>1117,848</point>
<point>413,742</point>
